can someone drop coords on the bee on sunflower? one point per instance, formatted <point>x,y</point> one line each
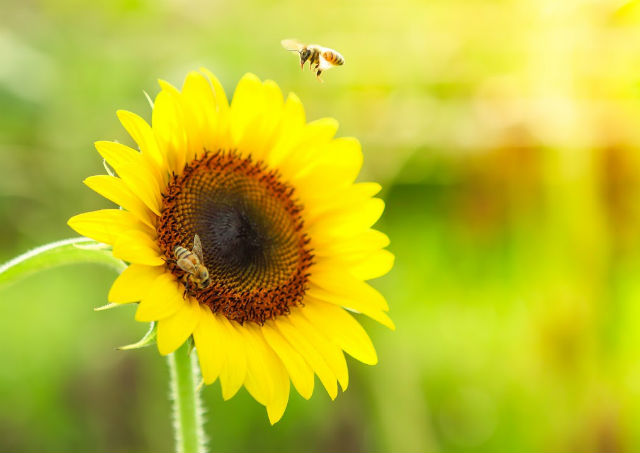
<point>245,230</point>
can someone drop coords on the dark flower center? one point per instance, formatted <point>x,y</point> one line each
<point>251,230</point>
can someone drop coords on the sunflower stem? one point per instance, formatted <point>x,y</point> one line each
<point>187,408</point>
<point>54,254</point>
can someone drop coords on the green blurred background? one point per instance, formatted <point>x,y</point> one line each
<point>506,136</point>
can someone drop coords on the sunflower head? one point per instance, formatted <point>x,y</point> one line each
<point>244,228</point>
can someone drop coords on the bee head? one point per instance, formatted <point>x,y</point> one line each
<point>304,56</point>
<point>202,277</point>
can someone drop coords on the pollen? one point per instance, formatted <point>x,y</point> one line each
<point>251,229</point>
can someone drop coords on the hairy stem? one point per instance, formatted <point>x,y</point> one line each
<point>187,408</point>
<point>68,251</point>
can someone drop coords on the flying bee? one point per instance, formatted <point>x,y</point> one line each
<point>322,57</point>
<point>192,262</point>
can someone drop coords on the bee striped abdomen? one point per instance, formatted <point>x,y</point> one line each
<point>333,57</point>
<point>180,252</point>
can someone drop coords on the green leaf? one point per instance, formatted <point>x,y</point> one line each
<point>55,254</point>
<point>149,338</point>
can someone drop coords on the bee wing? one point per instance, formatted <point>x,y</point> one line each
<point>186,265</point>
<point>197,248</point>
<point>291,44</point>
<point>324,64</point>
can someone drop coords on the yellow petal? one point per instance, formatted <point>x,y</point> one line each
<point>262,141</point>
<point>274,102</point>
<point>167,121</point>
<point>281,388</point>
<point>348,223</point>
<point>267,372</point>
<point>200,106</point>
<point>222,104</point>
<point>366,242</point>
<point>341,328</point>
<point>234,370</point>
<point>222,107</point>
<point>330,352</point>
<point>256,110</point>
<point>114,189</point>
<point>135,246</point>
<point>208,336</point>
<point>174,330</point>
<point>335,167</point>
<point>258,381</point>
<point>137,174</point>
<point>372,265</point>
<point>300,342</point>
<point>294,115</point>
<point>320,131</point>
<point>323,203</point>
<point>133,283</point>
<point>311,142</point>
<point>117,154</point>
<point>352,302</point>
<point>141,132</point>
<point>362,266</point>
<point>104,225</point>
<point>300,373</point>
<point>289,131</point>
<point>247,102</point>
<point>163,299</point>
<point>344,286</point>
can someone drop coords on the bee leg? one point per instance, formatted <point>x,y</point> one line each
<point>318,76</point>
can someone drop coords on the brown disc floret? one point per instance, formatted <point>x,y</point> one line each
<point>252,235</point>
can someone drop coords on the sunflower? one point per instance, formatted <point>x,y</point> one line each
<point>286,236</point>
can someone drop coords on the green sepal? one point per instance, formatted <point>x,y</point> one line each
<point>148,339</point>
<point>107,167</point>
<point>108,307</point>
<point>192,344</point>
<point>148,99</point>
